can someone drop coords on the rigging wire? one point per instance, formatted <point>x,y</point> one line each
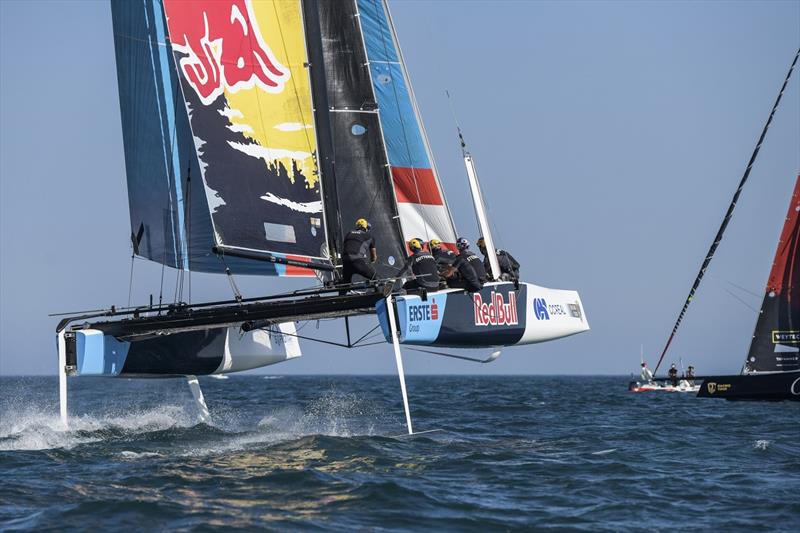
<point>130,282</point>
<point>728,214</point>
<point>741,300</point>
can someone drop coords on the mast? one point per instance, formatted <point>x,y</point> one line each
<point>728,215</point>
<point>477,200</point>
<point>480,212</point>
<point>325,152</point>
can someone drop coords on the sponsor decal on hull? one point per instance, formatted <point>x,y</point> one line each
<point>496,312</point>
<point>717,387</point>
<point>423,311</point>
<point>786,337</point>
<point>540,309</point>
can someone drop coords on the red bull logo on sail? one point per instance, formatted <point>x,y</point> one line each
<point>496,312</point>
<point>224,47</point>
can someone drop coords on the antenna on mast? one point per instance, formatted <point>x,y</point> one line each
<point>458,126</point>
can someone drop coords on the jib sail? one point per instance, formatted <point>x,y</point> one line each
<point>420,200</point>
<point>776,341</point>
<point>354,160</point>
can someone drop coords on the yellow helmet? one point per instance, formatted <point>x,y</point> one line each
<point>362,223</point>
<point>415,245</point>
<point>435,243</point>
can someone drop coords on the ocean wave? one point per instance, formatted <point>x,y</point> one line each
<point>34,428</point>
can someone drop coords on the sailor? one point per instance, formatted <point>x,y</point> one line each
<point>359,246</point>
<point>509,267</point>
<point>647,375</point>
<point>443,256</point>
<point>423,265</point>
<point>466,270</point>
<point>672,374</point>
<point>689,375</point>
<point>425,247</point>
<point>465,253</point>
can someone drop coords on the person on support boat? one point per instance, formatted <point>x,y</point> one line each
<point>647,375</point>
<point>689,375</point>
<point>467,271</point>
<point>509,267</point>
<point>444,257</point>
<point>672,374</point>
<point>359,246</point>
<point>423,265</point>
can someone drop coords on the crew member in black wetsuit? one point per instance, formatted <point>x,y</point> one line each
<point>672,374</point>
<point>467,271</point>
<point>509,267</point>
<point>359,246</point>
<point>423,265</point>
<point>689,375</point>
<point>444,257</point>
<point>474,261</point>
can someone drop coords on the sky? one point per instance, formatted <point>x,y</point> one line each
<point>609,138</point>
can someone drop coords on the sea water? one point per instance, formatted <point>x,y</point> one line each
<point>328,453</point>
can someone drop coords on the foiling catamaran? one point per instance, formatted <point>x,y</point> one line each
<point>256,132</point>
<point>772,368</point>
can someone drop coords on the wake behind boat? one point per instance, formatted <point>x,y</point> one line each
<point>654,386</point>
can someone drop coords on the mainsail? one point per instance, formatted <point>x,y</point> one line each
<point>242,68</point>
<point>776,340</point>
<point>173,219</point>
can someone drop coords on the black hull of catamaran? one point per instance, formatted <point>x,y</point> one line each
<point>197,340</point>
<point>753,387</point>
<point>221,350</point>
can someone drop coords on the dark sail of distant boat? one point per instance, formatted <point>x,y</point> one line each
<point>776,340</point>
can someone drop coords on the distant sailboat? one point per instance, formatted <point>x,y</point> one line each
<point>772,368</point>
<point>256,132</point>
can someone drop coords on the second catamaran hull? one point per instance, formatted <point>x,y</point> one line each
<point>499,315</point>
<point>221,350</point>
<point>769,386</point>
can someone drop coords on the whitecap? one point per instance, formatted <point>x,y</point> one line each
<point>605,452</point>
<point>126,454</point>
